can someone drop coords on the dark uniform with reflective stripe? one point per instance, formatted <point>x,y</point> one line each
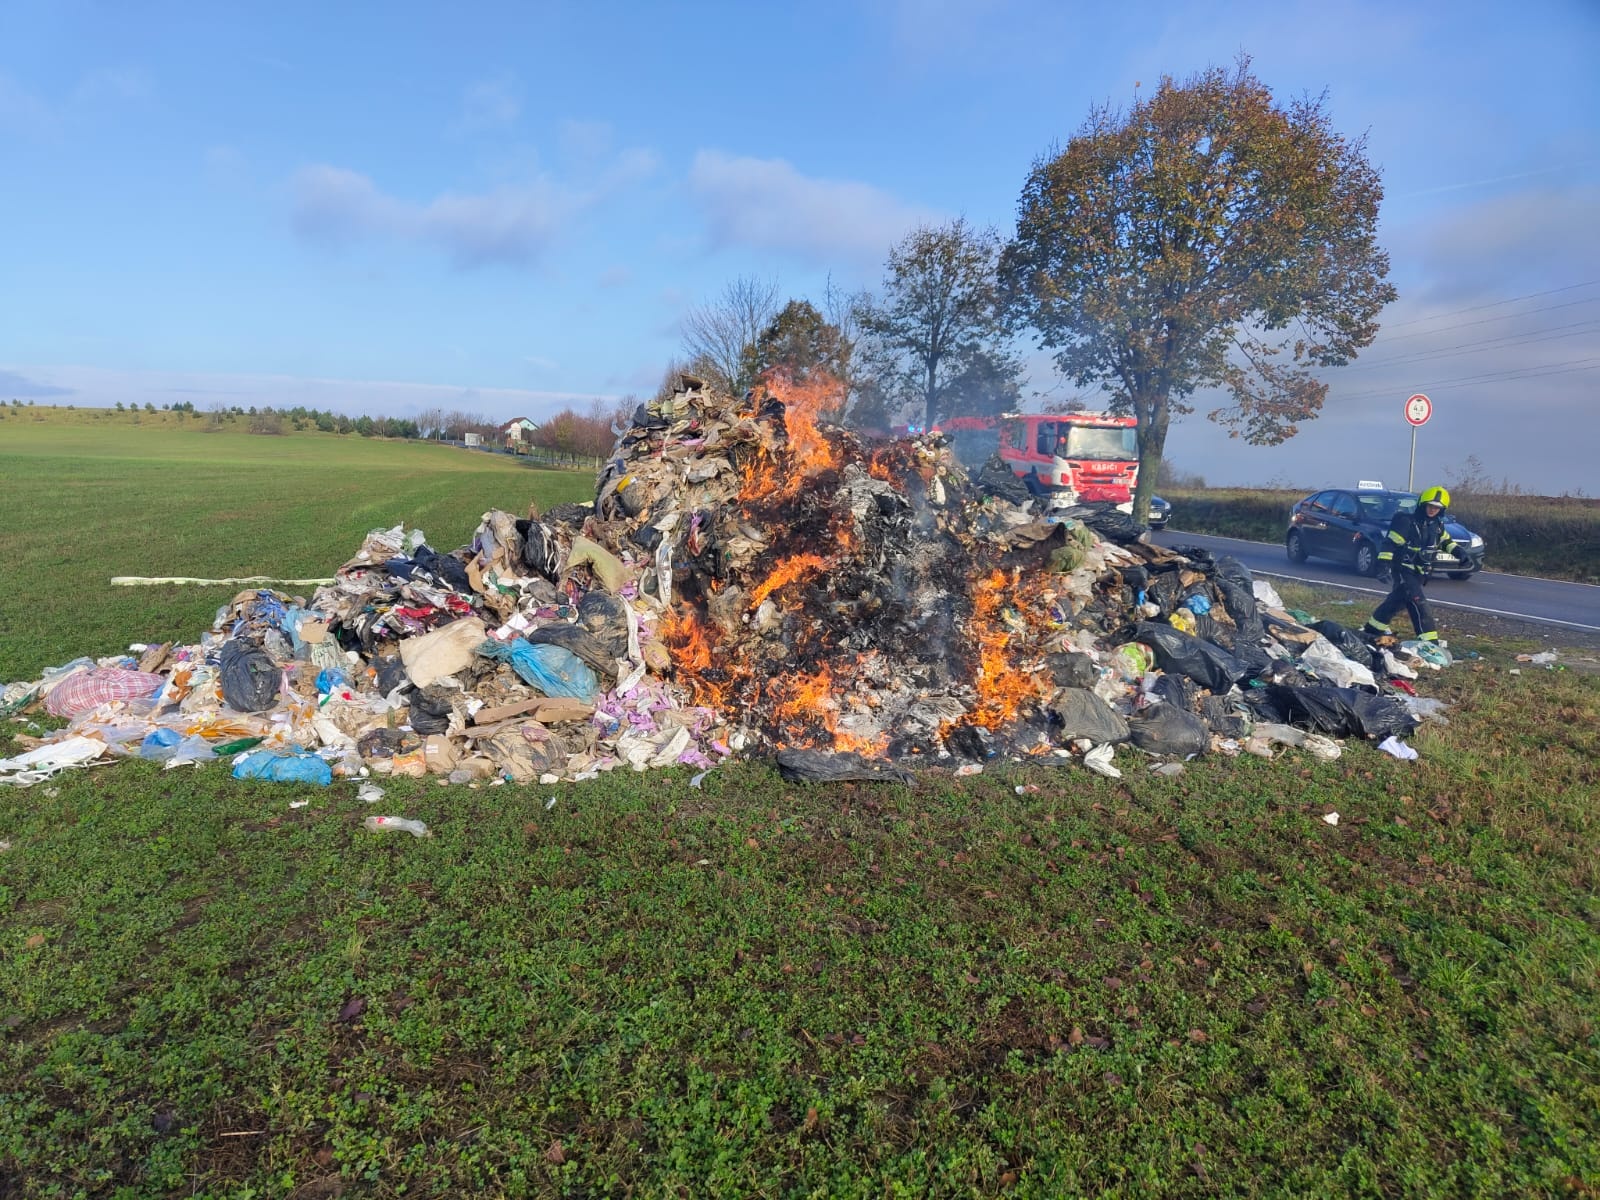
<point>1413,541</point>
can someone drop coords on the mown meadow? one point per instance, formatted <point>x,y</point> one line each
<point>1032,982</point>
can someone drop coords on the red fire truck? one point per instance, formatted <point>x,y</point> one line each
<point>1079,457</point>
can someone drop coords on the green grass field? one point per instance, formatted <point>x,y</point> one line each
<point>85,502</point>
<point>1142,987</point>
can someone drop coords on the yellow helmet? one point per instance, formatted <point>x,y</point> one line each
<point>1435,495</point>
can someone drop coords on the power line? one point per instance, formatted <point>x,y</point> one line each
<point>1495,304</point>
<point>1506,342</point>
<point>1583,364</point>
<point>1491,320</point>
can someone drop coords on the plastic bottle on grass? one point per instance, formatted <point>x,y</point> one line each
<point>414,828</point>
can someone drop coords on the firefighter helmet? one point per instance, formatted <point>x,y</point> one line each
<point>1435,495</point>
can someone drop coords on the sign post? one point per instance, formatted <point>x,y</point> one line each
<point>1418,409</point>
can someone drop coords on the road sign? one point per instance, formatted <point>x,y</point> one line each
<point>1418,409</point>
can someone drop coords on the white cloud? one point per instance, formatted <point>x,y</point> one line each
<point>511,224</point>
<point>766,204</point>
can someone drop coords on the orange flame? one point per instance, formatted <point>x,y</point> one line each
<point>1002,688</point>
<point>694,654</point>
<point>789,570</point>
<point>809,451</point>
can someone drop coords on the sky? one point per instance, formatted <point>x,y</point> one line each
<point>508,208</point>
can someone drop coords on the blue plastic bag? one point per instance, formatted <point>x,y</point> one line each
<point>158,744</point>
<point>284,766</point>
<point>330,679</point>
<point>1197,604</point>
<point>554,670</point>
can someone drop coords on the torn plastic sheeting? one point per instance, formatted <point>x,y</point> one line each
<point>1329,664</point>
<point>822,766</point>
<point>1099,759</point>
<point>1394,747</point>
<point>1083,714</point>
<point>1427,709</point>
<point>1267,734</point>
<point>1348,642</point>
<point>42,762</point>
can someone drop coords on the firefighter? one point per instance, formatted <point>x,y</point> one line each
<point>1413,540</point>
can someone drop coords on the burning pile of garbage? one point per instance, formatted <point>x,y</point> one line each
<point>749,579</point>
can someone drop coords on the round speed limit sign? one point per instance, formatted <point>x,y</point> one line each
<point>1418,409</point>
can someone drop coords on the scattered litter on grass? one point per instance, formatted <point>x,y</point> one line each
<point>1543,659</point>
<point>1394,747</point>
<point>402,824</point>
<point>1331,818</point>
<point>749,580</point>
<point>369,793</point>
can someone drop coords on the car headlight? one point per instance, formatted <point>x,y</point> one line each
<point>1476,543</point>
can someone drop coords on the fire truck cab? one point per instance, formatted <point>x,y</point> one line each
<point>1076,458</point>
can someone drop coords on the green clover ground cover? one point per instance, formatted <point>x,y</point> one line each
<point>1151,986</point>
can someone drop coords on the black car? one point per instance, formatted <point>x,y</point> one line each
<point>1160,513</point>
<point>1350,525</point>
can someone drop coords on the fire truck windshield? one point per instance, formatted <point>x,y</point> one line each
<point>1086,441</point>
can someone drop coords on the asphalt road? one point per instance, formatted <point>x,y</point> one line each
<point>1552,601</point>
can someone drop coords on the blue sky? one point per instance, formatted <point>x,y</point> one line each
<point>504,208</point>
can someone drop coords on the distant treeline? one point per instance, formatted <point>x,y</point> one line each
<point>570,433</point>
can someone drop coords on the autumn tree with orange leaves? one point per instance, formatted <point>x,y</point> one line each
<point>1204,238</point>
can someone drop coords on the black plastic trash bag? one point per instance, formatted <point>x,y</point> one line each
<point>1256,659</point>
<point>1165,592</point>
<point>824,766</point>
<point>1177,689</point>
<point>1240,602</point>
<point>1168,729</point>
<point>1199,556</point>
<point>1340,712</point>
<point>605,618</point>
<point>1210,666</point>
<point>1070,669</point>
<point>391,673</point>
<point>1000,480</point>
<point>1230,568</point>
<point>250,678</point>
<point>430,710</point>
<point>1082,714</point>
<point>1349,643</point>
<point>1221,719</point>
<point>1107,521</point>
<point>541,552</point>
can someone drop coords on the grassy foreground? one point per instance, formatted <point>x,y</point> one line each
<point>1145,987</point>
<point>86,502</point>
